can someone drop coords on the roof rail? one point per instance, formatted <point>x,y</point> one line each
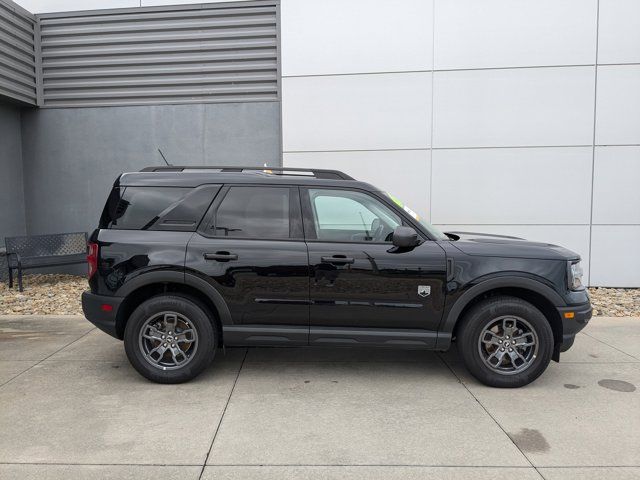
<point>318,173</point>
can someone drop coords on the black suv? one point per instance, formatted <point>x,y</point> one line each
<point>189,259</point>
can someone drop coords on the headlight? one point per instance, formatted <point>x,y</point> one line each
<point>575,275</point>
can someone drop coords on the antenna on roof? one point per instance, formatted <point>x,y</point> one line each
<point>164,158</point>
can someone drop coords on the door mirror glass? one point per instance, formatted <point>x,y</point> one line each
<point>405,237</point>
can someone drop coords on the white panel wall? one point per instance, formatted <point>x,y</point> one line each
<point>355,36</point>
<point>498,33</point>
<point>356,112</point>
<point>514,107</point>
<point>512,186</point>
<point>618,105</point>
<point>619,31</point>
<point>505,123</point>
<point>614,257</point>
<point>616,186</point>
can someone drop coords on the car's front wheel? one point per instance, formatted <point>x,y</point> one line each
<point>505,342</point>
<point>170,339</point>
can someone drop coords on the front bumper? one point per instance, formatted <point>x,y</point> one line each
<point>96,310</point>
<point>579,316</point>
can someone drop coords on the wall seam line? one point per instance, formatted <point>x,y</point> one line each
<point>431,142</point>
<point>593,151</point>
<point>493,147</point>
<point>426,148</point>
<point>471,69</point>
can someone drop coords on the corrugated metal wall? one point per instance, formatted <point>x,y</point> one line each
<point>186,54</point>
<point>17,53</point>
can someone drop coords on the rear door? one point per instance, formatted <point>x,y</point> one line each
<point>363,289</point>
<point>250,247</point>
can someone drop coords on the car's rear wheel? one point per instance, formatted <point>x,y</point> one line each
<point>505,342</point>
<point>170,339</point>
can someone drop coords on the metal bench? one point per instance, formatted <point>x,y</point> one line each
<point>36,251</point>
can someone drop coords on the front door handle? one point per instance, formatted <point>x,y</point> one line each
<point>221,256</point>
<point>337,260</point>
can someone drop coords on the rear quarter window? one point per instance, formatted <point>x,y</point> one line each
<point>139,208</point>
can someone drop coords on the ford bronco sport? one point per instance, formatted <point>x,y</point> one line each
<point>190,259</point>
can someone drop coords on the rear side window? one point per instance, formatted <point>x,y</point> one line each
<point>253,212</point>
<point>138,208</point>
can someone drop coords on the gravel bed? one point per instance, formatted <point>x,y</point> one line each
<point>615,302</point>
<point>43,295</point>
<point>60,295</point>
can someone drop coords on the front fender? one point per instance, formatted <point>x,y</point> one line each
<point>452,314</point>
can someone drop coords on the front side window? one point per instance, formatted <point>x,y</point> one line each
<point>253,212</point>
<point>351,216</point>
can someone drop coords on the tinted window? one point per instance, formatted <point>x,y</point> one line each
<point>253,212</point>
<point>134,208</point>
<point>350,216</point>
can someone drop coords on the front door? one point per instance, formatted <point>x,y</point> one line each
<point>251,249</point>
<point>363,289</point>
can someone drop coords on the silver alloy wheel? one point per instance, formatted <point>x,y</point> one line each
<point>168,340</point>
<point>508,344</point>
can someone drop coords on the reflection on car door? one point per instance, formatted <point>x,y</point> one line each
<point>363,289</point>
<point>251,249</point>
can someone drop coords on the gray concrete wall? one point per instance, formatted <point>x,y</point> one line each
<point>71,156</point>
<point>12,211</point>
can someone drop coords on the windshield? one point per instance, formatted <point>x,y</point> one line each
<point>433,231</point>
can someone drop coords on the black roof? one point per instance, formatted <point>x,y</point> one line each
<point>193,176</point>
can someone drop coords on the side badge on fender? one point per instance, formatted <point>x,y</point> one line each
<point>424,290</point>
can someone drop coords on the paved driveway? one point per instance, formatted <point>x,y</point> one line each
<point>72,407</point>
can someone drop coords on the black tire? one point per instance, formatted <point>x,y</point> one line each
<point>475,353</point>
<point>198,319</point>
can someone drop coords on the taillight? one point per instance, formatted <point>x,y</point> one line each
<point>92,258</point>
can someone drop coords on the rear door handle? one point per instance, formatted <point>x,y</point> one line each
<point>337,260</point>
<point>221,256</point>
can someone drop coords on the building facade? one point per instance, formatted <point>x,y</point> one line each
<point>512,117</point>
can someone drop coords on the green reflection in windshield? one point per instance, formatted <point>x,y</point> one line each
<point>430,228</point>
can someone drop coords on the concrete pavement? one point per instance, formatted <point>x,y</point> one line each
<point>72,407</point>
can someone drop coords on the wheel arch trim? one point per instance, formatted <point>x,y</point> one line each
<point>449,322</point>
<point>185,278</point>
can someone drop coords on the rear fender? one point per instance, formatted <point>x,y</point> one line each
<point>187,278</point>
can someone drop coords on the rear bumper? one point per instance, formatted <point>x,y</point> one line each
<point>96,310</point>
<point>571,326</point>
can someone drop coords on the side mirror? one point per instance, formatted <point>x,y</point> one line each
<point>405,237</point>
